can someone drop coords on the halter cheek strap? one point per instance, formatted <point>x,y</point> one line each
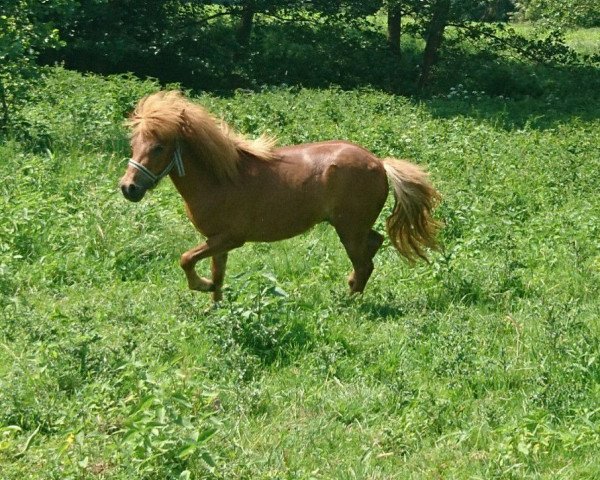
<point>176,163</point>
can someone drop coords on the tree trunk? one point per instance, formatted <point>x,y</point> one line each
<point>4,107</point>
<point>435,36</point>
<point>244,29</point>
<point>394,26</point>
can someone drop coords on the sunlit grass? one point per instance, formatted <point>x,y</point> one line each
<point>586,41</point>
<point>481,364</point>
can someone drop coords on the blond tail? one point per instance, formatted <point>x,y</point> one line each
<point>411,226</point>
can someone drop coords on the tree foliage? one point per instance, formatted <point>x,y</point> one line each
<point>23,34</point>
<point>243,43</point>
<point>561,13</point>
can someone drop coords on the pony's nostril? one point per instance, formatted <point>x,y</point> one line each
<point>131,191</point>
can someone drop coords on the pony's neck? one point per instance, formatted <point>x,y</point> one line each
<point>197,181</point>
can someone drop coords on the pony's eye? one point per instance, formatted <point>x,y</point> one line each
<point>156,149</point>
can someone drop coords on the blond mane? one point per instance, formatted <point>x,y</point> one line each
<point>169,116</point>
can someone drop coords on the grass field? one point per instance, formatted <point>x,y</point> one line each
<point>482,364</point>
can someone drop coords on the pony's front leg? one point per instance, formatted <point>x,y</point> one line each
<point>216,247</point>
<point>219,262</point>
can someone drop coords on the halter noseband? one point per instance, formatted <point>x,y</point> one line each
<point>177,162</point>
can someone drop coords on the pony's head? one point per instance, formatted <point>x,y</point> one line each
<point>155,134</point>
<point>163,125</point>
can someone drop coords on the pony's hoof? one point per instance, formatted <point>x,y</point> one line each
<point>355,286</point>
<point>212,307</point>
<point>202,285</point>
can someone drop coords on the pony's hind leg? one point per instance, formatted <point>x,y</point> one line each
<point>374,242</point>
<point>361,249</point>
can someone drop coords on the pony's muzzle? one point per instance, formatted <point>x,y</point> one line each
<point>132,192</point>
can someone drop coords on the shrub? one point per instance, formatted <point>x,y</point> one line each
<point>74,109</point>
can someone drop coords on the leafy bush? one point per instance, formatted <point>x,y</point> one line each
<point>72,110</point>
<point>23,35</point>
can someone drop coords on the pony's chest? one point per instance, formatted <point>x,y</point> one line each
<point>201,217</point>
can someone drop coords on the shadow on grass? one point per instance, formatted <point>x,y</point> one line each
<point>267,327</point>
<point>380,311</point>
<point>514,94</point>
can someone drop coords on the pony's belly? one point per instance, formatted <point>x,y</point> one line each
<point>274,228</point>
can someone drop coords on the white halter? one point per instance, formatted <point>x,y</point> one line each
<point>177,162</point>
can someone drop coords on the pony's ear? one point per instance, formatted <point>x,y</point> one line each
<point>184,124</point>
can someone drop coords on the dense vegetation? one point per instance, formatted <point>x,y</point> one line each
<point>222,45</point>
<point>482,364</point>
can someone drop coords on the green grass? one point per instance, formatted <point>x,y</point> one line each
<point>482,364</point>
<point>586,41</point>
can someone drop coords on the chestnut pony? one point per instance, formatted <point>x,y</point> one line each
<point>238,190</point>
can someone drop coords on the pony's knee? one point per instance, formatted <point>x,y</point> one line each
<point>186,261</point>
<point>374,242</point>
<point>375,239</point>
